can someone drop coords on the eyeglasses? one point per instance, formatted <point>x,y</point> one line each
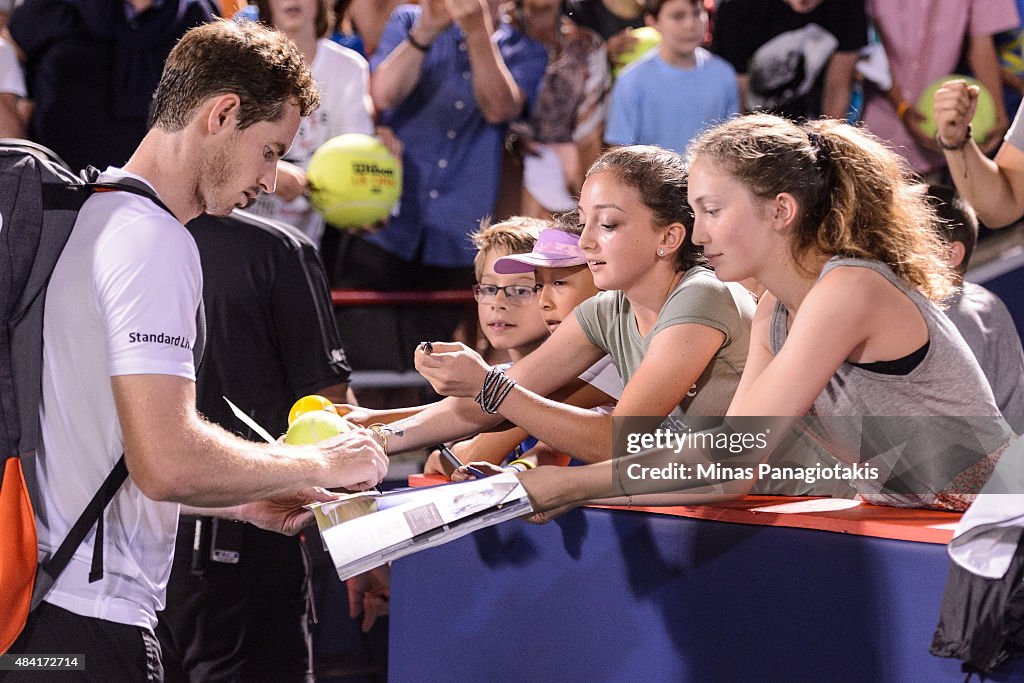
<point>515,294</point>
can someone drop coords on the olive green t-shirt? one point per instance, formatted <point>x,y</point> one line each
<point>700,298</point>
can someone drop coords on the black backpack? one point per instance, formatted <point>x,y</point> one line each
<point>40,198</point>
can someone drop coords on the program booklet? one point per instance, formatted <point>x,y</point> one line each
<point>364,530</point>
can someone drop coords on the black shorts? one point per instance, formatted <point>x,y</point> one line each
<point>112,651</point>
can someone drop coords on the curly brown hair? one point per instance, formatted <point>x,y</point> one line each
<point>856,197</point>
<point>260,65</point>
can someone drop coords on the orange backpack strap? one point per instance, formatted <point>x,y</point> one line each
<point>18,552</point>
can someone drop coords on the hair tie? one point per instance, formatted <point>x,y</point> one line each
<point>823,160</point>
<point>818,143</point>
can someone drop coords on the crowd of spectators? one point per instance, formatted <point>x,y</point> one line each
<point>498,108</point>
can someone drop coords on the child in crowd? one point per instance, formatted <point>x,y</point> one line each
<point>563,287</point>
<point>979,315</point>
<point>511,322</point>
<point>823,216</point>
<point>677,334</point>
<point>565,282</point>
<point>673,92</point>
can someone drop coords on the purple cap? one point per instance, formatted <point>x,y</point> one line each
<point>554,249</point>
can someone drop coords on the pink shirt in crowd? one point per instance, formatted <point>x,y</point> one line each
<point>923,39</point>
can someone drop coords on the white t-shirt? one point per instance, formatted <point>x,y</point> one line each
<point>12,79</point>
<point>344,80</point>
<point>122,301</point>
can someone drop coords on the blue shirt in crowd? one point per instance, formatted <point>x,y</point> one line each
<point>452,158</point>
<point>655,103</point>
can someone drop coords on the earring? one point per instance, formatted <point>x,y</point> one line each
<point>661,252</point>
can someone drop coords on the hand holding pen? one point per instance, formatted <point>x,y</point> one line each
<point>457,465</point>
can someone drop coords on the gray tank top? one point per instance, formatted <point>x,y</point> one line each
<point>933,435</point>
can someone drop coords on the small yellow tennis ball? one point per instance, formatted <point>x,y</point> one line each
<point>314,427</point>
<point>354,180</point>
<point>308,404</point>
<point>647,37</point>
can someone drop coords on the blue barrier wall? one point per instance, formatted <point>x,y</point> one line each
<point>605,595</point>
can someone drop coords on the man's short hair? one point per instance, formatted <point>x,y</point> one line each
<point>515,235</point>
<point>260,65</point>
<point>957,220</point>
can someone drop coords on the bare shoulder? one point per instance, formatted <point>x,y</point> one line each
<point>852,288</point>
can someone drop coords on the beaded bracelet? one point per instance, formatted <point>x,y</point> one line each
<point>494,390</point>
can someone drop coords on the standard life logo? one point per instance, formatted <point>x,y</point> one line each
<point>160,338</point>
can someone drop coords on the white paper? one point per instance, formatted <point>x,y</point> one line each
<point>364,530</point>
<point>249,422</point>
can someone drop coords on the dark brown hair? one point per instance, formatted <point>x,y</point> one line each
<point>659,177</point>
<point>856,197</point>
<point>653,7</point>
<point>957,220</point>
<point>323,24</point>
<point>260,65</point>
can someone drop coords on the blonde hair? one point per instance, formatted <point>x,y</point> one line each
<point>856,197</point>
<point>514,235</point>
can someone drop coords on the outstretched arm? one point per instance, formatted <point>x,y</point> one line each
<point>676,357</point>
<point>173,454</point>
<point>773,394</point>
<point>497,94</point>
<point>457,371</point>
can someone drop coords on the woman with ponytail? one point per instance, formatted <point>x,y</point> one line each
<point>850,331</point>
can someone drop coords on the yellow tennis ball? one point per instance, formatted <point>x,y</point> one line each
<point>314,427</point>
<point>354,180</point>
<point>647,37</point>
<point>308,404</point>
<point>984,114</point>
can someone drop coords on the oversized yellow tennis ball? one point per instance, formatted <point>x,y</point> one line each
<point>308,404</point>
<point>314,427</point>
<point>354,180</point>
<point>984,115</point>
<point>646,38</point>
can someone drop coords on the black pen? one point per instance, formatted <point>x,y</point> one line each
<point>454,461</point>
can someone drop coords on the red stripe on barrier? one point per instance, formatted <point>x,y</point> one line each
<point>369,297</point>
